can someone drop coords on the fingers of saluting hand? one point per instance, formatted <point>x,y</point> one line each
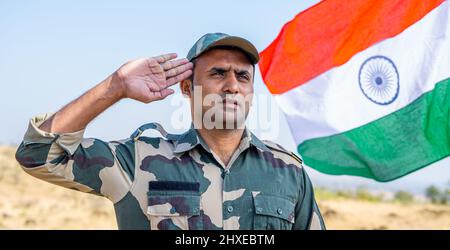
<point>164,58</point>
<point>171,68</point>
<point>159,95</point>
<point>174,70</point>
<point>178,67</point>
<point>174,63</point>
<point>178,78</point>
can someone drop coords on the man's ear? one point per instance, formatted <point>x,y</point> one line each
<point>186,87</point>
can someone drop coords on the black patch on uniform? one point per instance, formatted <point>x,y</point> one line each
<point>174,185</point>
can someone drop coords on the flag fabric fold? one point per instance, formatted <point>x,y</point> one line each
<point>364,85</point>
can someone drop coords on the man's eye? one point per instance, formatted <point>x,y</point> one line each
<point>245,77</point>
<point>217,73</point>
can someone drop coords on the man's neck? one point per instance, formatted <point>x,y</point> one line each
<point>223,142</point>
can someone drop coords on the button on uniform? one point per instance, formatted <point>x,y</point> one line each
<point>280,211</point>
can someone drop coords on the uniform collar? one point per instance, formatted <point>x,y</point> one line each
<point>191,139</point>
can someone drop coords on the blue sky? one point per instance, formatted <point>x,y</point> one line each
<point>53,51</point>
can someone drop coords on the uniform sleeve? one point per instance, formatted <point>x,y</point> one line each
<point>69,160</point>
<point>307,212</point>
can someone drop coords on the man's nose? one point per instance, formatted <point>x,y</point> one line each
<point>231,85</point>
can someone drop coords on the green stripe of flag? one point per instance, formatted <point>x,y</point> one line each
<point>390,147</point>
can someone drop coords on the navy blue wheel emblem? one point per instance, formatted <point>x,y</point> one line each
<point>379,80</point>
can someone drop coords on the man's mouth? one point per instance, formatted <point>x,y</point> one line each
<point>230,103</point>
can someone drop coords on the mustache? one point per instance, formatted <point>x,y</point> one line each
<point>226,99</point>
<point>230,98</point>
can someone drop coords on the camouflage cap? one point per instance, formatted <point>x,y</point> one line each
<point>211,40</point>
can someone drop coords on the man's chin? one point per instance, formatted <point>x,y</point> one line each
<point>223,118</point>
<point>228,124</point>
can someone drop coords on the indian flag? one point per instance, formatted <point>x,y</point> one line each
<point>365,85</point>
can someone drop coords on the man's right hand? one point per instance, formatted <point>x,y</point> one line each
<point>148,79</point>
<point>145,80</point>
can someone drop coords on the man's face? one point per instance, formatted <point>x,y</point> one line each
<point>223,89</point>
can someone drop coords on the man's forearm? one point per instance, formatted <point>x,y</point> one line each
<point>145,80</point>
<point>77,114</point>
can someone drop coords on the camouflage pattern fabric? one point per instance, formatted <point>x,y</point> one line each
<point>176,181</point>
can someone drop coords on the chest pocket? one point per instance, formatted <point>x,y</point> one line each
<point>272,212</point>
<point>173,208</point>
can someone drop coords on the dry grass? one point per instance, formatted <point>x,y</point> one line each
<point>28,203</point>
<point>354,214</point>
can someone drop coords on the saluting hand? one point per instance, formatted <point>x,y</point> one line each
<point>149,79</point>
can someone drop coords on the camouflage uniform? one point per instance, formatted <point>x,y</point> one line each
<point>177,182</point>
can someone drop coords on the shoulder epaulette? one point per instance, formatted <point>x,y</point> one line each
<point>153,125</point>
<point>279,148</point>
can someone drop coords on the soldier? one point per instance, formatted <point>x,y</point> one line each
<point>210,177</point>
